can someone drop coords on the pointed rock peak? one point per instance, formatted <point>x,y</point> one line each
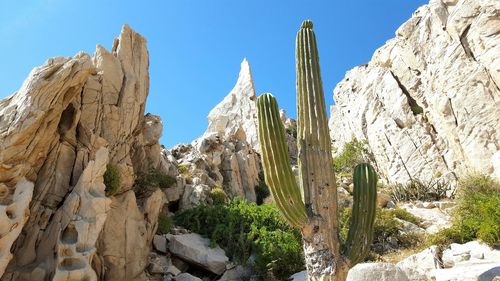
<point>245,76</point>
<point>235,117</point>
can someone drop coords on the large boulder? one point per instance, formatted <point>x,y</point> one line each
<point>417,266</point>
<point>376,271</point>
<point>196,249</point>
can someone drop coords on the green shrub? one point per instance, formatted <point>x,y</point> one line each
<point>386,226</point>
<point>292,131</point>
<point>353,154</point>
<point>151,180</point>
<point>416,109</point>
<point>418,190</point>
<point>243,229</point>
<point>111,179</point>
<point>182,169</point>
<point>477,214</point>
<point>218,195</point>
<point>402,214</point>
<point>164,224</point>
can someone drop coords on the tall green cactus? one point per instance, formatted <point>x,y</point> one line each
<point>313,206</point>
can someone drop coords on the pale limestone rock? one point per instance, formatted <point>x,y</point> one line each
<point>126,239</point>
<point>417,266</point>
<point>237,273</point>
<point>376,271</point>
<point>236,116</point>
<point>186,277</point>
<point>196,249</point>
<point>213,161</point>
<point>433,219</point>
<point>160,243</point>
<point>13,216</point>
<point>444,60</point>
<point>299,276</point>
<point>460,262</point>
<point>470,252</point>
<point>87,202</point>
<point>52,133</point>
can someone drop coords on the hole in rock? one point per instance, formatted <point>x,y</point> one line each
<point>173,206</point>
<point>67,118</point>
<point>69,235</point>
<point>71,264</point>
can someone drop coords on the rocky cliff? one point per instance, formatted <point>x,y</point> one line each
<point>428,102</point>
<point>70,119</point>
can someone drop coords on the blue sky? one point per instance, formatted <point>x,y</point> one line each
<point>196,47</point>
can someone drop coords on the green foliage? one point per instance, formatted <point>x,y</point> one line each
<point>182,169</point>
<point>402,214</point>
<point>353,154</point>
<point>386,227</point>
<point>218,195</point>
<point>416,109</point>
<point>243,229</point>
<point>261,190</point>
<point>164,224</point>
<point>111,179</point>
<point>151,180</point>
<point>418,190</point>
<point>292,131</point>
<point>477,215</point>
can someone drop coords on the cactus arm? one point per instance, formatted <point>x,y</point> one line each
<point>276,163</point>
<point>315,160</point>
<point>360,234</point>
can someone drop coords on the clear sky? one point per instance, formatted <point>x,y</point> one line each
<point>196,47</point>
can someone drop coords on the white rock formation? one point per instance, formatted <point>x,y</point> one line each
<point>376,271</point>
<point>417,266</point>
<point>433,219</point>
<point>72,117</point>
<point>196,249</point>
<point>428,102</point>
<point>460,262</point>
<point>236,116</point>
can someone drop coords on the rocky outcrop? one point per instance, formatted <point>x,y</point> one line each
<point>458,262</point>
<point>214,162</point>
<point>70,119</point>
<point>428,101</point>
<point>236,116</point>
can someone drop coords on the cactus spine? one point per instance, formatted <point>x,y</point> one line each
<point>313,206</point>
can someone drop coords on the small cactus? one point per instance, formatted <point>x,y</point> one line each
<point>312,207</point>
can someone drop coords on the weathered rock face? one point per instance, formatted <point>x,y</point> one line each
<point>211,162</point>
<point>71,118</point>
<point>236,116</point>
<point>428,101</point>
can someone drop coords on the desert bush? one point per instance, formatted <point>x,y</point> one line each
<point>218,195</point>
<point>386,228</point>
<point>111,179</point>
<point>151,180</point>
<point>243,229</point>
<point>182,169</point>
<point>164,224</point>
<point>154,178</point>
<point>292,131</point>
<point>423,191</point>
<point>354,153</point>
<point>477,214</point>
